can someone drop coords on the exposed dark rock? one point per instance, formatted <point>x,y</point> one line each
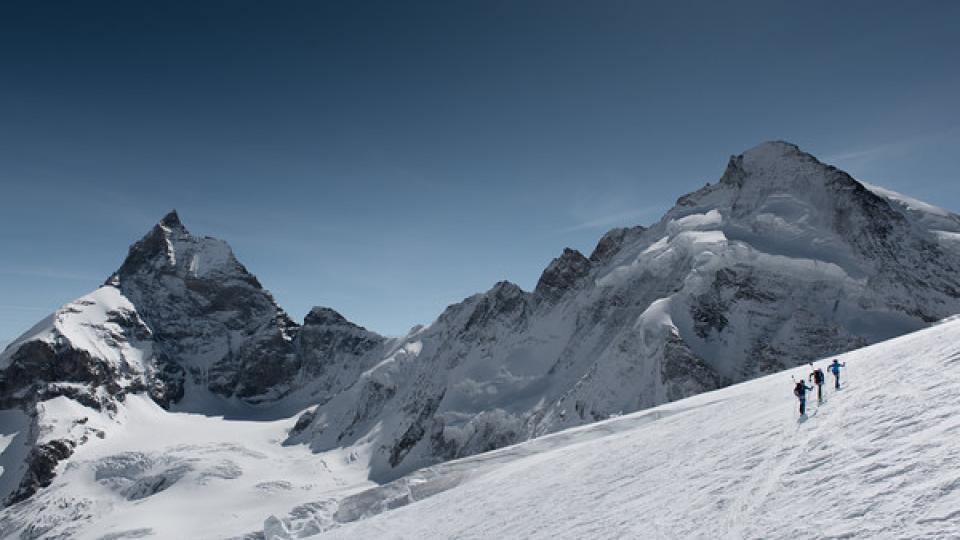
<point>708,314</point>
<point>166,384</point>
<point>41,468</point>
<point>685,374</point>
<point>504,301</point>
<point>37,368</point>
<point>264,365</point>
<point>613,242</point>
<point>303,422</point>
<point>562,274</point>
<point>375,396</point>
<point>416,431</point>
<point>734,175</point>
<point>326,317</point>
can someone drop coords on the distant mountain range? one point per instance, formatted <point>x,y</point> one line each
<point>784,259</point>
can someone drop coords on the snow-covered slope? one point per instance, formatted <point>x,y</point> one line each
<point>149,473</point>
<point>880,458</point>
<point>785,259</point>
<point>90,349</point>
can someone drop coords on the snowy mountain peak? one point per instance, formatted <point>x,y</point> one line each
<point>170,248</point>
<point>216,325</point>
<point>172,220</point>
<point>779,195</point>
<point>773,162</point>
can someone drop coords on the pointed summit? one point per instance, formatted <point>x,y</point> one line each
<point>171,220</point>
<point>563,273</point>
<point>170,248</point>
<point>771,161</point>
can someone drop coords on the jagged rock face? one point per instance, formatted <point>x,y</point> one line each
<point>333,352</point>
<point>563,274</point>
<point>784,260</point>
<point>209,316</point>
<point>612,242</point>
<point>41,468</point>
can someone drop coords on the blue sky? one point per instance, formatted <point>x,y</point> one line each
<point>390,158</point>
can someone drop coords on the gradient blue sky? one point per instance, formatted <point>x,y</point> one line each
<point>390,158</point>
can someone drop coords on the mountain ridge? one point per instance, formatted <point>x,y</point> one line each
<point>727,248</point>
<point>782,260</point>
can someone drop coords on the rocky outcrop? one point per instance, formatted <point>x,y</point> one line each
<point>41,464</point>
<point>562,274</point>
<point>333,352</point>
<point>612,242</point>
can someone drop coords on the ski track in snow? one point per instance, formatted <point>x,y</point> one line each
<point>879,459</point>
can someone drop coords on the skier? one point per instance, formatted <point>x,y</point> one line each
<point>835,369</point>
<point>800,390</point>
<point>818,379</point>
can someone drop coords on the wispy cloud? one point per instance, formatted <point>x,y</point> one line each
<point>871,154</point>
<point>629,217</point>
<point>877,152</point>
<point>48,273</point>
<point>13,307</point>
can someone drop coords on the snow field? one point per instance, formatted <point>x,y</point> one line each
<point>159,474</point>
<point>879,459</point>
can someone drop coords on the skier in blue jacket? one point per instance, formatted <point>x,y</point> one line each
<point>835,369</point>
<point>800,390</point>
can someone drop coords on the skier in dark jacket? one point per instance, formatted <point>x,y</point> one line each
<point>800,390</point>
<point>835,369</point>
<point>818,379</point>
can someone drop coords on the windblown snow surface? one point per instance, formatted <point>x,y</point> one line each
<point>880,458</point>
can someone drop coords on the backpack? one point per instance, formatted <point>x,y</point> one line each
<point>818,376</point>
<point>799,389</point>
